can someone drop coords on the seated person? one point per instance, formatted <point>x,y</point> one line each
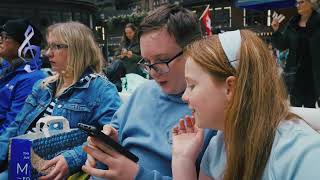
<point>129,52</point>
<point>115,72</point>
<point>77,92</point>
<point>143,124</point>
<point>19,71</point>
<point>233,85</point>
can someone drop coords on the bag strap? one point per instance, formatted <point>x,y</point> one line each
<point>51,120</point>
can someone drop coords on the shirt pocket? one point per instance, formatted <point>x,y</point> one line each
<point>28,110</point>
<point>31,101</point>
<point>77,111</point>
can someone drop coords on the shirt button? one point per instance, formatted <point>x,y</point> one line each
<point>59,106</point>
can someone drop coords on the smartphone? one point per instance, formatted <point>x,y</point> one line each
<point>94,132</point>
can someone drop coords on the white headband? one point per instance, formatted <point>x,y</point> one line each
<point>231,42</point>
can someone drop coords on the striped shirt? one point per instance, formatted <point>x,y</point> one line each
<point>49,110</point>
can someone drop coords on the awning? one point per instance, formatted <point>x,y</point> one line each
<point>265,4</point>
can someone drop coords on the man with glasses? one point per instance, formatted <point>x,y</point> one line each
<point>18,73</point>
<point>160,67</point>
<point>143,125</point>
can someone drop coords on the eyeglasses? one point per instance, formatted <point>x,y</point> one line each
<point>4,37</point>
<point>298,3</point>
<point>160,67</point>
<point>55,46</point>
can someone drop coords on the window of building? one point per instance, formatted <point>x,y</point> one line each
<point>269,18</point>
<point>255,18</point>
<point>222,17</point>
<point>76,16</point>
<point>244,18</point>
<point>54,16</point>
<point>156,3</point>
<point>85,18</point>
<point>67,15</point>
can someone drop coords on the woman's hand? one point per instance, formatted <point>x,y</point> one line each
<point>60,169</point>
<point>187,144</point>
<point>187,139</point>
<point>129,54</point>
<point>119,166</point>
<point>123,53</point>
<point>276,20</point>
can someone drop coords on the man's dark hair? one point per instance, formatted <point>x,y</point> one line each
<point>180,23</point>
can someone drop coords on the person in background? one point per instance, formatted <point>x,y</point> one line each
<point>115,72</point>
<point>77,92</point>
<point>127,58</point>
<point>130,49</point>
<point>301,37</point>
<point>143,124</point>
<point>233,85</point>
<point>19,71</point>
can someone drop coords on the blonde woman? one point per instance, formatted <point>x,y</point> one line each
<point>233,85</point>
<point>301,36</point>
<point>77,91</point>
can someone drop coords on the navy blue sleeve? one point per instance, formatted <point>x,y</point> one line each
<point>19,95</point>
<point>12,129</point>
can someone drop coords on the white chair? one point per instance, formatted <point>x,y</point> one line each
<point>124,96</point>
<point>310,115</point>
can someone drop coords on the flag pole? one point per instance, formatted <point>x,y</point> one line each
<point>204,12</point>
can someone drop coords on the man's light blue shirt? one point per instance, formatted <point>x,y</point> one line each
<point>145,124</point>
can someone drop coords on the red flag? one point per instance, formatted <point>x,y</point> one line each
<point>206,21</point>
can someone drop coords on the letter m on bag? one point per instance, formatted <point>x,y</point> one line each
<point>20,159</point>
<point>22,170</point>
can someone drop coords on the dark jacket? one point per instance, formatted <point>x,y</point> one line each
<point>131,63</point>
<point>115,72</point>
<point>289,39</point>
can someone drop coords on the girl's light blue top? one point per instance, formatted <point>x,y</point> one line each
<point>295,154</point>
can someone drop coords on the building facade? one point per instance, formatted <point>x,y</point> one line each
<point>46,12</point>
<point>224,15</point>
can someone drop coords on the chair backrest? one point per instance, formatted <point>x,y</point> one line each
<point>124,96</point>
<point>310,115</point>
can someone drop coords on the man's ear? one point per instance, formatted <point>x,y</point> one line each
<point>230,87</point>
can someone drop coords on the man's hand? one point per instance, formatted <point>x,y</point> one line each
<point>119,166</point>
<point>108,130</point>
<point>111,132</point>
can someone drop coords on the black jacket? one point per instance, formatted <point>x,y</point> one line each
<point>289,39</point>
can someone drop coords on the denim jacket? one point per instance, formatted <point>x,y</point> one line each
<point>93,101</point>
<point>16,83</point>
